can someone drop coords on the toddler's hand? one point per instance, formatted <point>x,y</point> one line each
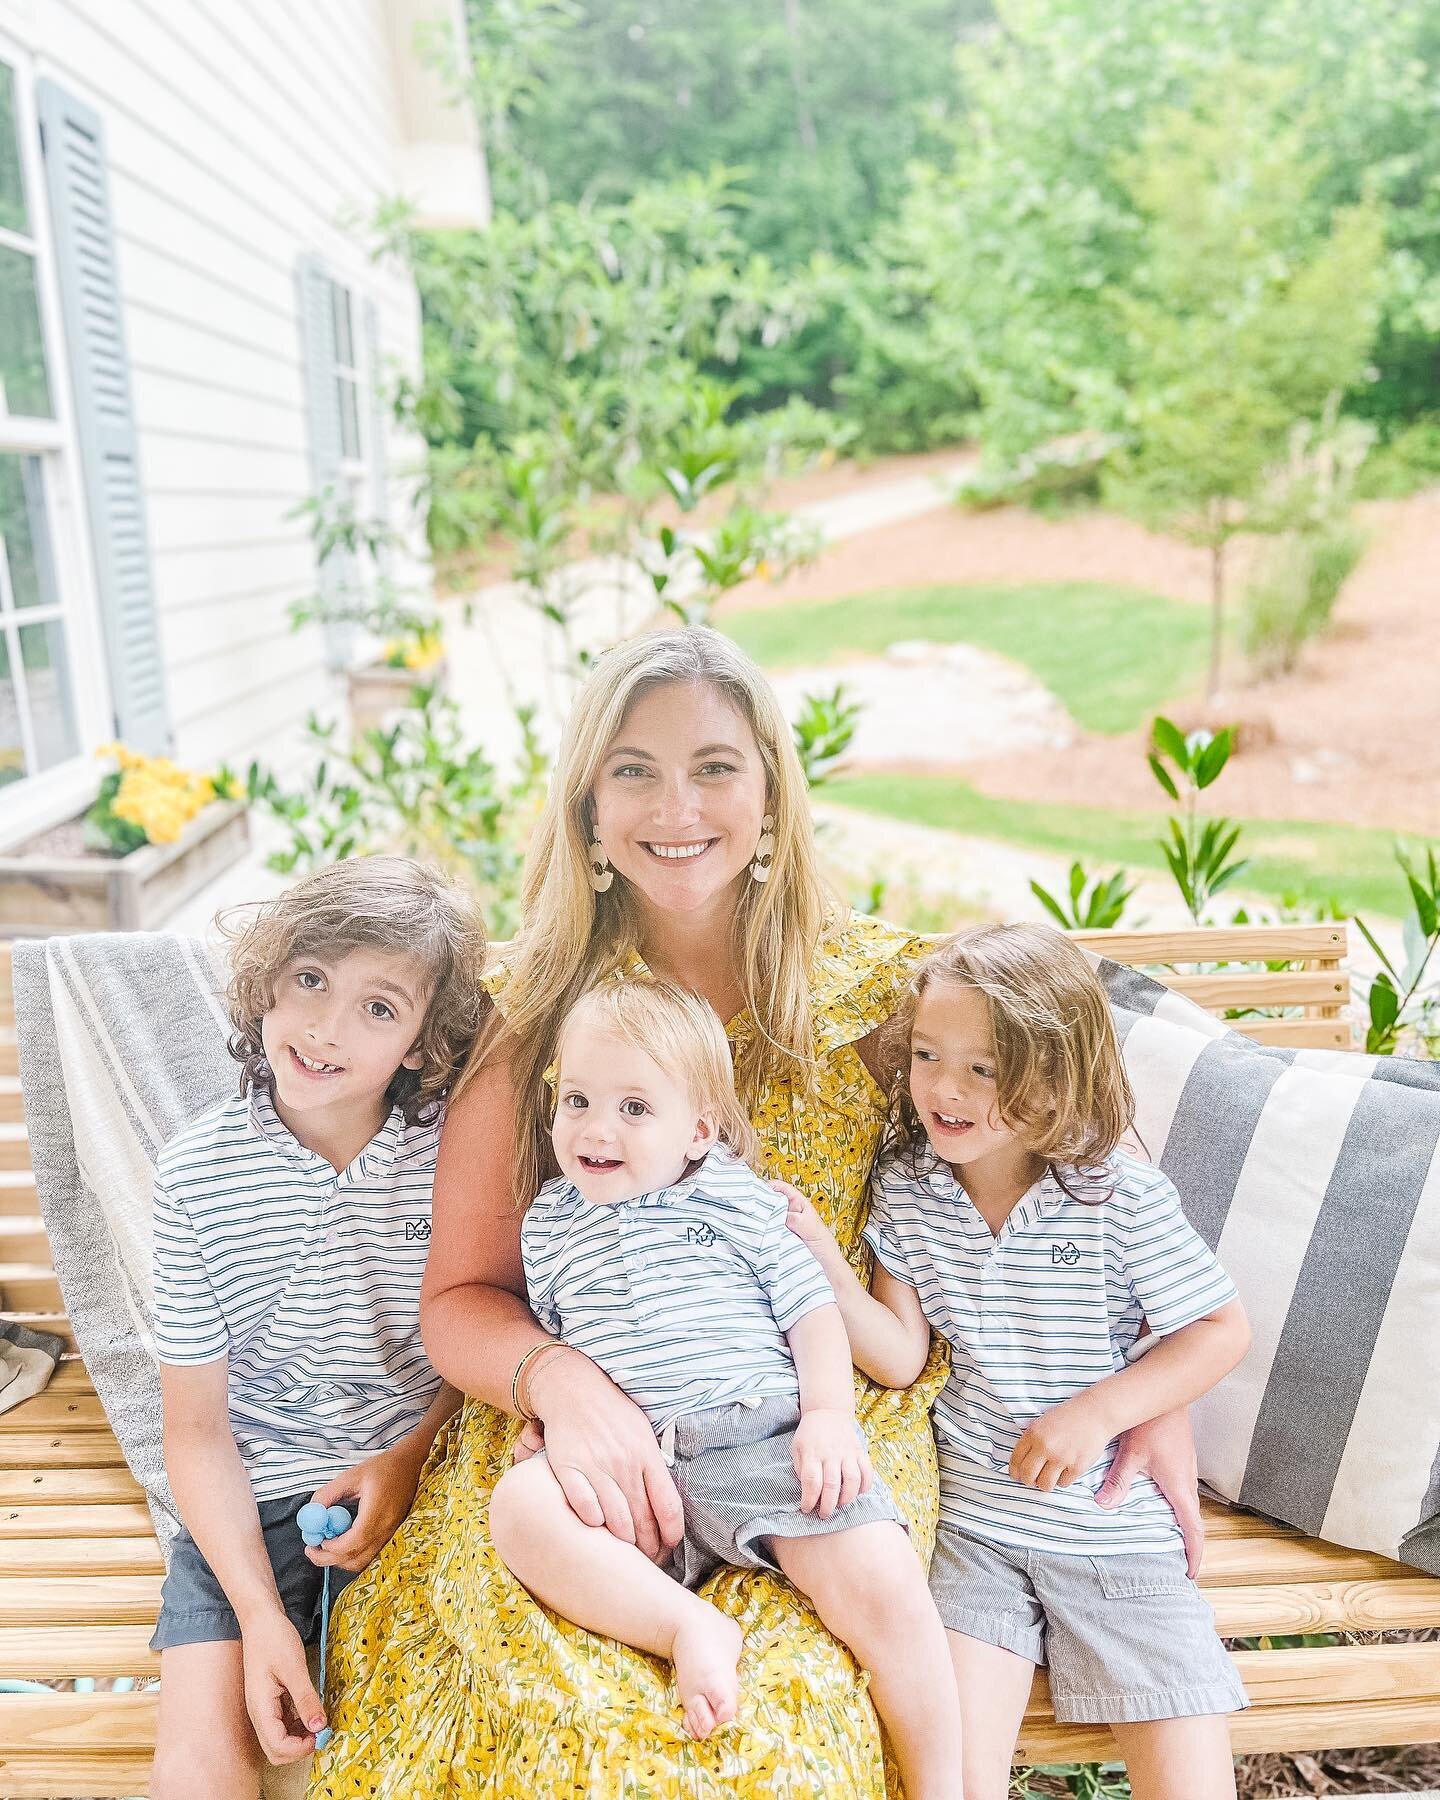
<point>1059,1446</point>
<point>801,1217</point>
<point>830,1461</point>
<point>530,1440</point>
<point>378,1492</point>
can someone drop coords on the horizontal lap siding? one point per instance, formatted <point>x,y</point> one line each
<point>236,137</point>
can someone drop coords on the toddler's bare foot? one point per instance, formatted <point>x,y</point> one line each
<point>706,1655</point>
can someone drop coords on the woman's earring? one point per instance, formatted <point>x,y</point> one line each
<point>601,874</point>
<point>764,851</point>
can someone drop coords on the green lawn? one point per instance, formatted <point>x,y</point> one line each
<point>1311,862</point>
<point>1113,655</point>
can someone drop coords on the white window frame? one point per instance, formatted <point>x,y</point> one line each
<point>39,801</point>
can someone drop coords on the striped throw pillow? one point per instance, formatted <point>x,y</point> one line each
<point>1315,1177</point>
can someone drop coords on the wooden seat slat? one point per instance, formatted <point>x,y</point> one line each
<point>70,1722</point>
<point>63,1449</point>
<point>17,1193</point>
<point>1283,1609</point>
<point>80,1600</point>
<point>36,1556</point>
<point>97,1774</point>
<point>1296,1034</point>
<point>29,1287</point>
<point>1264,987</point>
<point>55,1653</point>
<point>23,1239</point>
<point>55,1406</point>
<point>113,1519</point>
<point>1219,943</point>
<point>1265,1561</point>
<point>66,1487</point>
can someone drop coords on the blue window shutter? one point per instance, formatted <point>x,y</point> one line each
<point>79,192</point>
<point>379,418</point>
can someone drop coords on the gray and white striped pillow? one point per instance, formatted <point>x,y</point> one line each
<point>1315,1177</point>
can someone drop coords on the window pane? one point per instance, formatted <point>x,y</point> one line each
<point>349,418</point>
<point>47,688</point>
<point>27,572</point>
<point>12,755</point>
<point>23,387</point>
<point>12,187</point>
<point>344,337</point>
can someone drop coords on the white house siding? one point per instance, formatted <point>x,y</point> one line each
<point>237,137</point>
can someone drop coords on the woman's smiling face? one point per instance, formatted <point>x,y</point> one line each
<point>679,796</point>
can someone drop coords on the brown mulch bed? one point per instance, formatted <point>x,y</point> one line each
<point>1353,735</point>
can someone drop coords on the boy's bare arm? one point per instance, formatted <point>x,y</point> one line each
<point>416,1442</point>
<point>822,1362</point>
<point>889,1335</point>
<point>211,1487</point>
<point>1059,1446</point>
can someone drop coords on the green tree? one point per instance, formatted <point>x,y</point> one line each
<point>1249,309</point>
<point>1027,227</point>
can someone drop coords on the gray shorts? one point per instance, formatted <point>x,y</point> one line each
<point>193,1607</point>
<point>1127,1637</point>
<point>737,1482</point>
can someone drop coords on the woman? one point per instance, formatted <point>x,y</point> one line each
<point>676,838</point>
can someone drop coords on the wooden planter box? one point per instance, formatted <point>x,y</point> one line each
<point>377,691</point>
<point>42,895</point>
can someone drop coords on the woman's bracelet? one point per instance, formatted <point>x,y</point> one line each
<point>520,1385</point>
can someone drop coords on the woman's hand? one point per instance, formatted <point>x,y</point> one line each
<point>1163,1449</point>
<point>604,1455</point>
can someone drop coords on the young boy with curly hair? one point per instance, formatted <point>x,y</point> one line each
<point>291,1227</point>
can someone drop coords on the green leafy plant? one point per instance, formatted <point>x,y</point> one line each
<point>1087,1781</point>
<point>1397,1000</point>
<point>1093,903</point>
<point>354,554</point>
<point>1199,852</point>
<point>824,731</point>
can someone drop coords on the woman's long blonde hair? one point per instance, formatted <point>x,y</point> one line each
<point>1060,1081</point>
<point>570,936</point>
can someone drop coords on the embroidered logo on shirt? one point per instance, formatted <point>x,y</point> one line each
<point>417,1230</point>
<point>700,1234</point>
<point>1069,1254</point>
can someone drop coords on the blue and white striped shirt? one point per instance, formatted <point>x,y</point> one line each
<point>682,1296</point>
<point>307,1279</point>
<point>1034,1317</point>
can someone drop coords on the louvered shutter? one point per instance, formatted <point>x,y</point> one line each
<point>79,193</point>
<point>315,309</point>
<point>379,418</point>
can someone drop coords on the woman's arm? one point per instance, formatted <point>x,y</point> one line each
<point>477,1326</point>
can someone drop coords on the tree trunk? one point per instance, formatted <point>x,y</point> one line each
<point>1217,619</point>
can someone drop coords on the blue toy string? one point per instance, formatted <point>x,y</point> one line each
<point>317,1523</point>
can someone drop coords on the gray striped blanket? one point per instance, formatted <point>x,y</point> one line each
<point>122,1042</point>
<point>1315,1177</point>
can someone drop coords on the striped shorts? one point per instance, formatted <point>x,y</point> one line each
<point>734,1469</point>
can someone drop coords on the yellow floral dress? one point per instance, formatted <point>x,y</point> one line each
<point>448,1680</point>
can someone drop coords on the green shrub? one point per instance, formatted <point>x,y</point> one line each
<point>1294,591</point>
<point>1408,462</point>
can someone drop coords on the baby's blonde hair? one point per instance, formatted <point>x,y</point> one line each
<point>1060,1081</point>
<point>682,1036</point>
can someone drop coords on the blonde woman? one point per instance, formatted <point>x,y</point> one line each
<point>676,839</point>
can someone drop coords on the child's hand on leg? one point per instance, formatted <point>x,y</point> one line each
<point>830,1461</point>
<point>279,1695</point>
<point>378,1492</point>
<point>1059,1446</point>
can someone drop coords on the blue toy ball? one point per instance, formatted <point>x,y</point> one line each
<point>337,1520</point>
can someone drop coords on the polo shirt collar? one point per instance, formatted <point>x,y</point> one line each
<point>373,1163</point>
<point>1038,1202</point>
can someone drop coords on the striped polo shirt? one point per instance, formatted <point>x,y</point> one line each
<point>682,1296</point>
<point>307,1279</point>
<point>1034,1316</point>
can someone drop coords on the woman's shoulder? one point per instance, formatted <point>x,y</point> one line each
<point>861,970</point>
